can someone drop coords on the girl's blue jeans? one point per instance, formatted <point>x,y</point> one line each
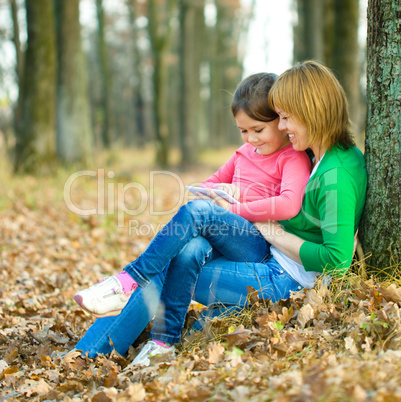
<point>204,253</point>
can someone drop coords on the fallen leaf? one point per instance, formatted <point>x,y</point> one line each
<point>32,388</point>
<point>238,337</point>
<point>392,293</point>
<point>306,313</point>
<point>215,351</point>
<point>134,393</point>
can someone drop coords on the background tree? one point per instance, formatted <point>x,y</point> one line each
<point>309,32</point>
<point>160,33</point>
<point>381,224</point>
<point>327,30</point>
<point>19,65</point>
<point>105,81</point>
<point>140,128</point>
<point>35,141</point>
<point>345,60</point>
<point>191,55</point>
<point>74,131</point>
<point>225,70</point>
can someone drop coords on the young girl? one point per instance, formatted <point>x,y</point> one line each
<point>270,177</point>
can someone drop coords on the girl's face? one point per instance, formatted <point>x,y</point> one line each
<point>297,132</point>
<point>266,137</point>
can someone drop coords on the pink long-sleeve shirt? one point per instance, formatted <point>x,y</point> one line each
<point>271,186</point>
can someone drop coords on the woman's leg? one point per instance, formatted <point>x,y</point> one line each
<point>231,235</point>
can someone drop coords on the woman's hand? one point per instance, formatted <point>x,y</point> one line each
<point>287,243</point>
<point>269,229</point>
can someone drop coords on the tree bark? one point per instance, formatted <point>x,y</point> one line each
<point>381,223</point>
<point>35,144</point>
<point>74,133</point>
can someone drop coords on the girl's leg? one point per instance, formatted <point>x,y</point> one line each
<point>231,235</point>
<point>228,233</point>
<point>178,289</point>
<point>121,331</point>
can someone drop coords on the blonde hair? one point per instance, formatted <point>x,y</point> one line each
<point>312,94</point>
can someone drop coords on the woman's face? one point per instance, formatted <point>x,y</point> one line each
<point>266,137</point>
<point>297,132</point>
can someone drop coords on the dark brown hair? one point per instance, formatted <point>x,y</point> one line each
<point>251,97</point>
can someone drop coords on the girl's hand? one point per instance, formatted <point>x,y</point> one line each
<point>231,189</point>
<point>212,196</point>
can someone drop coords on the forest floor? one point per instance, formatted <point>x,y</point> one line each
<point>341,343</point>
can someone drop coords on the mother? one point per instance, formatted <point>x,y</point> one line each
<point>312,108</point>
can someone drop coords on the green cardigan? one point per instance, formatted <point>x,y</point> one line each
<point>331,211</point>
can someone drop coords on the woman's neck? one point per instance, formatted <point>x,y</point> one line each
<point>318,153</point>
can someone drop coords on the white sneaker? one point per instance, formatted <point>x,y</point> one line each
<point>151,349</point>
<point>104,299</point>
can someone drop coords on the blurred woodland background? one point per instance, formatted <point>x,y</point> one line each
<point>156,73</point>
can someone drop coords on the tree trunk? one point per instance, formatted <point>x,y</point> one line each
<point>36,138</point>
<point>105,77</point>
<point>381,223</point>
<point>140,133</point>
<point>19,68</point>
<point>74,133</point>
<point>345,59</point>
<point>160,37</point>
<point>309,33</point>
<point>225,71</point>
<point>16,40</point>
<point>191,37</point>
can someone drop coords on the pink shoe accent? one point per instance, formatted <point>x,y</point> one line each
<point>78,299</point>
<point>127,282</point>
<point>162,344</point>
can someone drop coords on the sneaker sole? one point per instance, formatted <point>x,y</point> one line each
<point>78,299</point>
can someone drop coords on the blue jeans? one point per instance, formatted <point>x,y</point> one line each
<point>223,229</point>
<point>209,268</point>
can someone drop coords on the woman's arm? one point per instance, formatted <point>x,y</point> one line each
<point>287,243</point>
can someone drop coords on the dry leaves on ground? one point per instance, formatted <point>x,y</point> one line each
<point>335,344</point>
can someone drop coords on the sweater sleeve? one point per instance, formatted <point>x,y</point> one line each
<point>336,201</point>
<point>295,170</point>
<point>223,175</point>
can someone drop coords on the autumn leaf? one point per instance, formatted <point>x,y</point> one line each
<point>286,315</point>
<point>239,337</point>
<point>392,293</point>
<point>306,313</point>
<point>216,351</point>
